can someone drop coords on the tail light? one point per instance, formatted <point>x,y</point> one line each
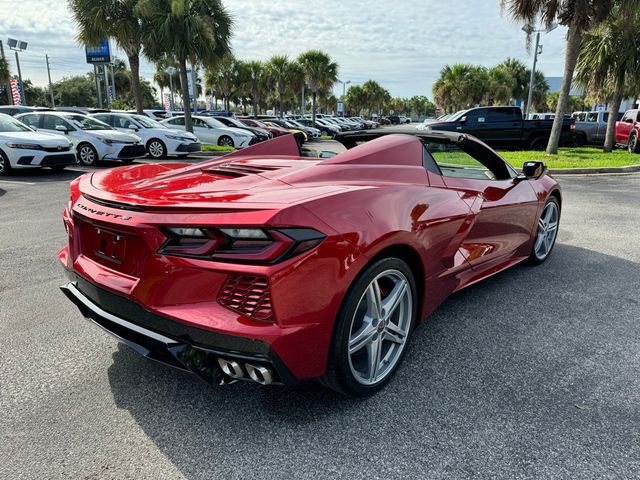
<point>572,127</point>
<point>239,244</point>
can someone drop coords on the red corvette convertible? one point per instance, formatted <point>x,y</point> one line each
<point>269,266</point>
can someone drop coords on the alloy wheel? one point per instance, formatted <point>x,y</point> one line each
<point>87,155</point>
<point>633,141</point>
<point>225,142</point>
<point>380,327</point>
<point>156,150</point>
<point>547,231</point>
<point>2,165</point>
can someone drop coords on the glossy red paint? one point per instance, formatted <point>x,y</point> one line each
<point>276,131</point>
<point>373,198</point>
<point>628,125</point>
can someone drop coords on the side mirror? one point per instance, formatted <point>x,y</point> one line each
<point>133,127</point>
<point>533,169</point>
<point>61,128</point>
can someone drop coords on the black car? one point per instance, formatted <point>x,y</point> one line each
<point>394,119</point>
<point>261,134</point>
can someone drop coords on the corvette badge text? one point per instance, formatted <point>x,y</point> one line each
<point>99,212</point>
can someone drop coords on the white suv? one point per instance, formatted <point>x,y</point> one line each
<point>159,140</point>
<point>94,140</point>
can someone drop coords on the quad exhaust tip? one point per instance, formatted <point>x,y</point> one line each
<point>238,371</point>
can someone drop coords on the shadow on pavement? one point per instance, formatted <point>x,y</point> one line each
<point>530,373</point>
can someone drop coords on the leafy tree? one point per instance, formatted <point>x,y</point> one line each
<point>609,64</point>
<point>75,91</point>
<point>579,16</point>
<point>375,96</point>
<point>320,73</point>
<point>255,83</point>
<point>5,76</point>
<point>117,19</point>
<point>519,74</point>
<point>355,100</point>
<point>194,30</point>
<point>421,106</point>
<point>461,86</point>
<point>224,79</point>
<point>36,95</point>
<point>278,70</point>
<point>540,89</point>
<point>575,103</point>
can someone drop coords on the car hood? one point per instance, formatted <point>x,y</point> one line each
<point>172,131</point>
<point>114,135</point>
<point>44,139</point>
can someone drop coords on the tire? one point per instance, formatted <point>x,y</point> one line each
<point>225,141</point>
<point>5,164</point>
<point>359,330</point>
<point>87,154</point>
<point>538,143</point>
<point>546,237</point>
<point>580,141</point>
<point>633,146</point>
<point>156,149</point>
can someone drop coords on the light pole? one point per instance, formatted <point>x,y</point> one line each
<point>171,71</point>
<point>18,46</point>
<point>528,29</point>
<point>344,91</point>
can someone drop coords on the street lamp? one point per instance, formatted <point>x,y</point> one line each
<point>528,29</point>
<point>18,46</point>
<point>344,91</point>
<point>171,71</point>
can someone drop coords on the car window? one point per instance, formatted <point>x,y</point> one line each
<point>50,122</point>
<point>177,121</point>
<point>477,116</point>
<point>580,116</point>
<point>10,124</point>
<point>108,119</point>
<point>31,120</point>
<point>147,122</point>
<point>592,117</point>
<point>501,115</point>
<point>197,122</point>
<point>638,116</point>
<point>121,121</point>
<point>465,162</point>
<point>605,117</point>
<point>627,116</point>
<point>87,123</point>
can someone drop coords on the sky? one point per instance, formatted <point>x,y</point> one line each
<point>401,44</point>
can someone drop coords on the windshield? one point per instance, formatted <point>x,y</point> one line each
<point>10,124</point>
<point>214,123</point>
<point>296,124</point>
<point>147,122</point>
<point>457,116</point>
<point>235,122</point>
<point>86,123</point>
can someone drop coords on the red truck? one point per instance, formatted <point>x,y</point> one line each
<point>627,130</point>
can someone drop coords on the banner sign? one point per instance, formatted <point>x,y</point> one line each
<point>166,101</point>
<point>99,54</point>
<point>15,92</point>
<point>340,107</point>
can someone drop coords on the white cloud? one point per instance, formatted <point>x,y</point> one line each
<point>403,45</point>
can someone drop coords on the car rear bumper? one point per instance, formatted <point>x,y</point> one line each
<point>175,344</point>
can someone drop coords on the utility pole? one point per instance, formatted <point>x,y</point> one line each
<point>302,102</point>
<point>171,71</point>
<point>105,73</point>
<point>528,29</point>
<point>53,102</point>
<point>95,75</point>
<point>113,83</point>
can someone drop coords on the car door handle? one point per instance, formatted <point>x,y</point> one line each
<point>458,128</point>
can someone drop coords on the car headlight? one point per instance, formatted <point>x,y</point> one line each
<point>24,146</point>
<point>239,244</point>
<point>108,141</point>
<point>181,138</point>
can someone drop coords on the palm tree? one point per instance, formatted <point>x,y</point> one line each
<point>320,73</point>
<point>461,85</point>
<point>540,89</point>
<point>278,70</point>
<point>375,96</point>
<point>5,76</point>
<point>223,79</point>
<point>117,19</point>
<point>355,99</point>
<point>579,16</point>
<point>255,83</point>
<point>609,64</point>
<point>195,30</point>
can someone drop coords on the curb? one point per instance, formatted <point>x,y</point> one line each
<point>595,170</point>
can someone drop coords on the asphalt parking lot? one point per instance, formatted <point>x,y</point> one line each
<point>531,374</point>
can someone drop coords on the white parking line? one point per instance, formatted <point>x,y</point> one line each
<point>17,183</point>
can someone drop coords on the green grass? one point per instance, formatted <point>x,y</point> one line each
<point>216,148</point>
<point>583,157</point>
